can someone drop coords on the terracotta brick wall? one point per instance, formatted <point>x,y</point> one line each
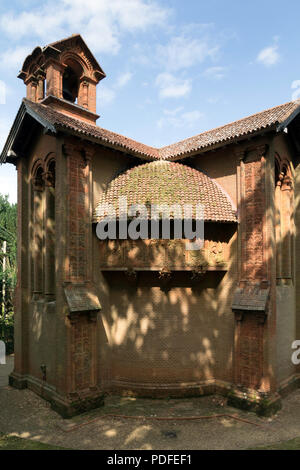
<point>151,338</point>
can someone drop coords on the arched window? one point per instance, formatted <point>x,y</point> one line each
<point>50,231</point>
<point>38,232</point>
<point>43,231</point>
<point>70,85</point>
<point>283,220</point>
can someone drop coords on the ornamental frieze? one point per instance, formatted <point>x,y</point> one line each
<point>158,254</point>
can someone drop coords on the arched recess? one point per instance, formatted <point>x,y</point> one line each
<point>78,79</point>
<point>38,229</point>
<point>71,79</point>
<point>50,228</point>
<point>284,224</point>
<point>43,228</point>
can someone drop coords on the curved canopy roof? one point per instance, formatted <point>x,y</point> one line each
<point>162,182</point>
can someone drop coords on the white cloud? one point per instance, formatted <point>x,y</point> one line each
<point>215,72</point>
<point>269,56</point>
<point>296,87</point>
<point>171,86</point>
<point>106,95</point>
<point>123,79</point>
<point>14,58</point>
<point>100,22</point>
<point>183,51</point>
<point>177,118</point>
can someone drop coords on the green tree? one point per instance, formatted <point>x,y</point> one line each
<point>8,232</point>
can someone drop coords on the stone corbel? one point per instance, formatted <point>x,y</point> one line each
<point>165,276</point>
<point>88,154</point>
<point>69,149</point>
<point>198,273</point>
<point>257,152</point>
<point>131,276</point>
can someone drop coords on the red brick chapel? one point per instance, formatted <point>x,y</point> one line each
<point>147,317</point>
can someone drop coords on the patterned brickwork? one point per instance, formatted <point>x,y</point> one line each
<point>249,354</point>
<point>78,175</point>
<point>253,213</point>
<point>249,334</point>
<point>81,351</point>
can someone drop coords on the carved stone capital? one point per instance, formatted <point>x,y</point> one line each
<point>69,149</point>
<point>49,179</point>
<point>255,153</point>
<point>89,154</point>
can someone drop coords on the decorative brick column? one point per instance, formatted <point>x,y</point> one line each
<point>31,88</point>
<point>54,78</point>
<point>253,300</point>
<point>17,378</point>
<point>82,304</point>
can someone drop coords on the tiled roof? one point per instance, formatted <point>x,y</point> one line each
<point>275,118</point>
<point>60,120</point>
<point>162,182</point>
<point>234,130</point>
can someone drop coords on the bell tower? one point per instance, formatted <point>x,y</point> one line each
<point>64,75</point>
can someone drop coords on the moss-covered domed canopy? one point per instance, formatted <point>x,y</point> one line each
<point>162,182</point>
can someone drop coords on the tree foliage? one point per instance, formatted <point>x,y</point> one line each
<point>8,234</point>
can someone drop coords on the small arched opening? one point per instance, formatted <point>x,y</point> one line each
<point>71,80</point>
<point>70,85</point>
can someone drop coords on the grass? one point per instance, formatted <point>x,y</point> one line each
<point>17,443</point>
<point>293,444</point>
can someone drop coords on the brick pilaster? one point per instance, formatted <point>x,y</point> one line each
<point>82,326</point>
<point>251,358</point>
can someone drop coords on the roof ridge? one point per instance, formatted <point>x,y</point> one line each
<point>233,122</point>
<point>178,150</point>
<point>92,126</point>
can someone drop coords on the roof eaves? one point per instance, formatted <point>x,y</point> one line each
<point>23,110</point>
<point>214,145</point>
<point>106,142</point>
<point>40,119</point>
<point>281,126</point>
<point>13,132</point>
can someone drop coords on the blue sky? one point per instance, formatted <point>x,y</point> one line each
<point>174,68</point>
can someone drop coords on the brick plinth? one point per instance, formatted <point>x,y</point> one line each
<point>66,405</point>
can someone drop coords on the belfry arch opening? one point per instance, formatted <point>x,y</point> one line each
<point>70,85</point>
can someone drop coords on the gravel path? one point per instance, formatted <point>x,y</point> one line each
<point>26,415</point>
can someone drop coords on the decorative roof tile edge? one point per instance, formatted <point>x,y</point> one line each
<point>276,118</point>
